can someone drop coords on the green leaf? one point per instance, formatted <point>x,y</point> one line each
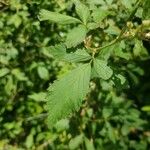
<point>107,112</point>
<point>76,36</point>
<point>109,2</point>
<point>105,53</point>
<point>146,9</point>
<point>139,50</point>
<point>96,2</point>
<point>59,52</point>
<point>4,71</point>
<point>65,95</point>
<point>146,108</point>
<point>75,142</point>
<point>30,139</point>
<point>112,30</point>
<point>43,72</point>
<point>19,74</point>
<point>10,86</point>
<point>38,96</point>
<point>17,21</point>
<point>57,17</point>
<point>82,11</point>
<point>93,25</point>
<point>103,71</point>
<point>110,132</point>
<point>78,56</point>
<point>99,14</point>
<point>118,51</point>
<point>125,129</point>
<point>89,144</point>
<point>121,78</point>
<point>62,125</point>
<point>128,4</point>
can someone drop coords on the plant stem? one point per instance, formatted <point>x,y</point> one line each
<point>118,38</point>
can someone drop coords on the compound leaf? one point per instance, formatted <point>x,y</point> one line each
<point>65,95</point>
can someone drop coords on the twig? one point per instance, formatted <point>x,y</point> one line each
<point>118,38</point>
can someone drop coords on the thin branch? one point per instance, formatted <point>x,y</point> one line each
<point>138,3</point>
<point>119,37</point>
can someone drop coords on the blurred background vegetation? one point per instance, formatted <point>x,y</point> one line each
<point>113,117</point>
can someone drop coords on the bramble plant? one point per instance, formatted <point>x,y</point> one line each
<point>93,58</point>
<point>93,55</point>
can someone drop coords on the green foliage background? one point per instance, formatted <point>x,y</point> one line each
<point>112,116</point>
